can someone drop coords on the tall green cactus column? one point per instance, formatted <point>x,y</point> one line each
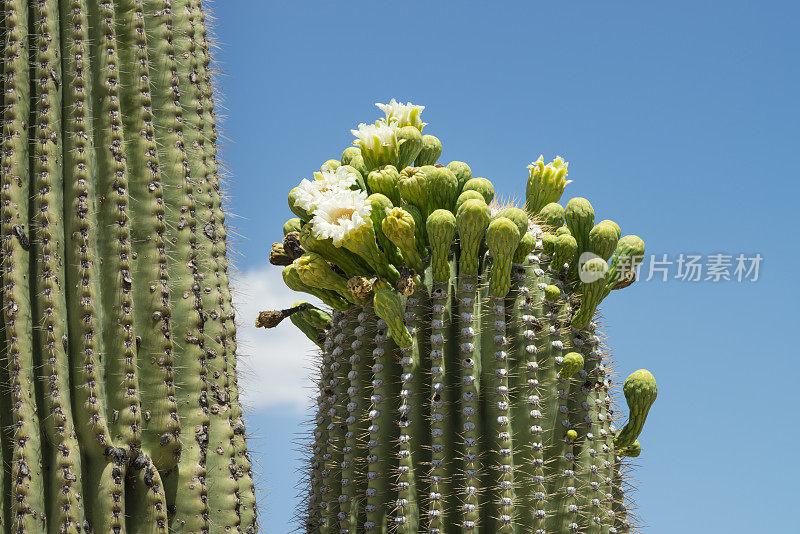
<point>489,405</point>
<point>119,407</point>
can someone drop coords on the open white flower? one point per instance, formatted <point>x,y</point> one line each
<point>374,136</point>
<point>406,114</point>
<point>311,192</point>
<point>340,213</point>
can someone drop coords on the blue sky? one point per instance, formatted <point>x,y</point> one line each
<point>680,122</point>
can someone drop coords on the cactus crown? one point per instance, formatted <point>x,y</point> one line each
<point>462,382</point>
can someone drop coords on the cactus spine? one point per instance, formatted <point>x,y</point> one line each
<point>118,390</point>
<point>470,393</point>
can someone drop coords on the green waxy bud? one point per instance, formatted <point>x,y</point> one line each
<point>564,250</point>
<point>579,216</point>
<point>441,228</point>
<point>413,188</point>
<point>362,241</point>
<point>419,228</point>
<point>571,435</point>
<point>640,393</point>
<point>331,164</point>
<point>545,183</point>
<point>442,188</point>
<point>314,271</point>
<point>379,144</point>
<point>627,256</point>
<point>467,195</point>
<point>552,216</point>
<point>399,227</point>
<point>482,186</point>
<point>292,225</point>
<point>349,154</point>
<point>573,362</point>
<point>472,219</point>
<point>292,280</point>
<point>431,150</point>
<point>603,239</point>
<point>632,451</point>
<point>593,275</point>
<point>552,293</point>
<point>462,172</point>
<point>525,247</point>
<point>380,205</point>
<point>410,139</point>
<point>502,238</point>
<point>389,307</point>
<point>348,262</point>
<point>515,215</point>
<point>294,206</point>
<point>548,242</point>
<point>562,231</point>
<point>614,225</point>
<point>384,181</point>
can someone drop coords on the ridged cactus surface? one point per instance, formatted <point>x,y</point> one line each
<point>118,396</point>
<point>463,385</point>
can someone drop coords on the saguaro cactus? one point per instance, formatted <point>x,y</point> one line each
<point>470,390</point>
<point>118,395</point>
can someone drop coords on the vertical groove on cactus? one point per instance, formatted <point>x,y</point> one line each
<point>118,337</point>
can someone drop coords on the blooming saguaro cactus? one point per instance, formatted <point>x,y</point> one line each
<point>119,404</point>
<point>463,384</point>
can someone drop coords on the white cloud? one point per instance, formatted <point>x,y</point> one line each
<point>275,364</point>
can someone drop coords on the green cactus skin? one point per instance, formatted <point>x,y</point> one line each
<point>118,346</point>
<point>430,152</point>
<point>478,398</point>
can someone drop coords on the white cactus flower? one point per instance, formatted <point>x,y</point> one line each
<point>311,192</point>
<point>378,143</point>
<point>407,114</point>
<point>339,213</point>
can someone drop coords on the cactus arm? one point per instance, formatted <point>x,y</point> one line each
<point>27,491</point>
<point>469,311</point>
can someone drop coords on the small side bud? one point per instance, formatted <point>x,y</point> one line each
<point>552,293</point>
<point>573,362</point>
<point>640,393</point>
<point>526,245</point>
<point>292,225</point>
<point>571,435</point>
<point>564,250</point>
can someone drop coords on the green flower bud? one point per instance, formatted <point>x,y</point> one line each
<point>640,393</point>
<point>380,205</point>
<point>603,239</point>
<point>467,195</point>
<point>571,435</point>
<point>573,362</point>
<point>471,221</point>
<point>462,172</point>
<point>579,216</point>
<point>614,225</point>
<point>525,247</point>
<point>331,164</point>
<point>482,186</point>
<point>419,228</point>
<point>431,150</point>
<point>545,183</point>
<point>564,250</point>
<point>515,215</point>
<point>296,209</point>
<point>410,139</point>
<point>502,238</point>
<point>348,262</point>
<point>563,230</point>
<point>552,293</point>
<point>399,227</point>
<point>384,181</point>
<point>314,271</point>
<point>441,227</point>
<point>442,188</point>
<point>627,256</point>
<point>292,225</point>
<point>548,243</point>
<point>632,451</point>
<point>389,307</point>
<point>292,280</point>
<point>362,241</point>
<point>552,216</point>
<point>360,165</point>
<point>413,188</point>
<point>593,275</point>
<point>349,154</point>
